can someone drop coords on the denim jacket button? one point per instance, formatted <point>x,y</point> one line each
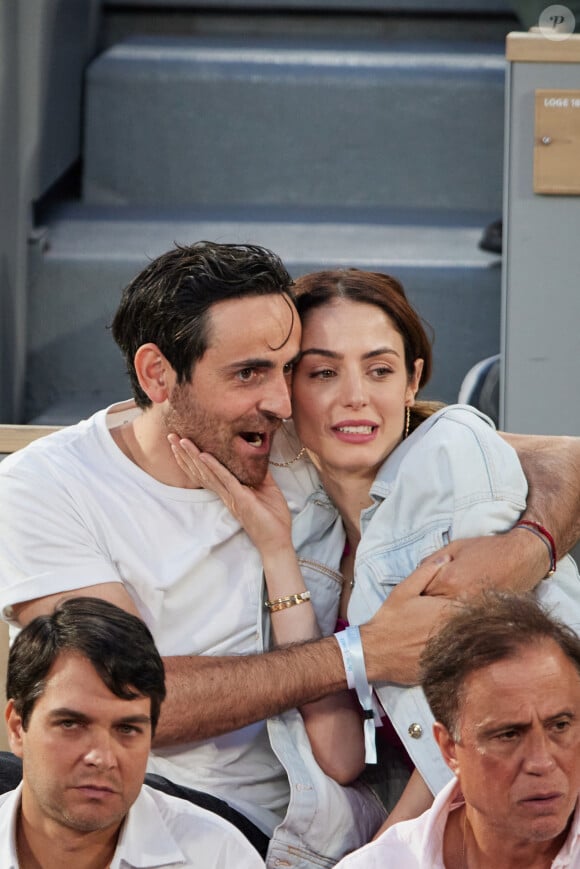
<point>415,731</point>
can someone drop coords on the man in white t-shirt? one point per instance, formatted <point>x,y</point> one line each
<point>503,681</point>
<point>85,686</point>
<point>210,333</point>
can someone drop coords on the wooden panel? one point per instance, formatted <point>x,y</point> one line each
<point>534,47</point>
<point>14,437</point>
<point>557,142</point>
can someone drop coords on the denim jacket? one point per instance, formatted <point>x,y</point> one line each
<point>324,820</point>
<point>454,477</point>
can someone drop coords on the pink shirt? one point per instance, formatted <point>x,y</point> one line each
<point>418,844</point>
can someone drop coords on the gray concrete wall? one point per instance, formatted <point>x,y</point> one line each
<point>44,48</point>
<point>425,6</point>
<point>12,238</point>
<point>541,287</point>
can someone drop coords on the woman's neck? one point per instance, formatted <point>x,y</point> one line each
<point>351,495</point>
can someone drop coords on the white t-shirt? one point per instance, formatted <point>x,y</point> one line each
<point>100,518</point>
<point>159,832</point>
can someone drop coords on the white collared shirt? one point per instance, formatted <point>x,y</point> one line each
<point>159,831</point>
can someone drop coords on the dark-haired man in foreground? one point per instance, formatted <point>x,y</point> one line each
<point>85,687</point>
<point>503,681</point>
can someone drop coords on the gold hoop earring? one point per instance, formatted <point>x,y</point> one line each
<point>407,422</point>
<point>290,461</point>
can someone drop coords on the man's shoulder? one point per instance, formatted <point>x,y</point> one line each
<point>78,451</point>
<point>190,828</point>
<point>9,804</point>
<point>44,451</point>
<point>179,813</point>
<point>8,800</point>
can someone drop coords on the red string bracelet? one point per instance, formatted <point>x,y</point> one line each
<point>545,536</point>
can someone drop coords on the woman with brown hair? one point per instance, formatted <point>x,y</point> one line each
<point>405,476</point>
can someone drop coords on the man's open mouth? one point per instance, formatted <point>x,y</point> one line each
<point>254,438</point>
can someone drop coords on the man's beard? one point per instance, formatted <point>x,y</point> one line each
<point>211,435</point>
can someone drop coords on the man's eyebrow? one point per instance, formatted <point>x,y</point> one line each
<point>499,726</point>
<point>259,362</point>
<point>318,351</point>
<point>565,713</point>
<point>65,712</point>
<point>489,727</point>
<point>332,354</point>
<point>133,719</point>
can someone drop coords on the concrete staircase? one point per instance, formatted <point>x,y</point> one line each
<point>337,133</point>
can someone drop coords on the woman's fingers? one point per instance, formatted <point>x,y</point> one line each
<point>187,457</point>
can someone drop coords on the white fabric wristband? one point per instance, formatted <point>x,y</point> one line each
<point>350,645</point>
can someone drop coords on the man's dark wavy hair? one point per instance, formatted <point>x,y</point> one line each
<point>118,645</point>
<point>168,303</point>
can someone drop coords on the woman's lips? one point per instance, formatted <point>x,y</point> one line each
<point>358,431</point>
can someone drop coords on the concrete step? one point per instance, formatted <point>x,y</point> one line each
<point>238,122</point>
<point>355,6</point>
<point>87,254</point>
<point>123,22</point>
<point>482,24</point>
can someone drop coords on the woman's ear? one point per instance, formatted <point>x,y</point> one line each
<point>155,374</point>
<point>414,381</point>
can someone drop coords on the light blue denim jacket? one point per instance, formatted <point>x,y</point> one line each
<point>454,477</point>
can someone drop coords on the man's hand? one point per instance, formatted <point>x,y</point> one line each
<point>394,638</point>
<point>515,561</point>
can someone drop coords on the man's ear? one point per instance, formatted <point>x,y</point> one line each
<point>447,746</point>
<point>14,728</point>
<point>155,374</point>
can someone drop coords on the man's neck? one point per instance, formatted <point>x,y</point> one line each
<point>469,845</point>
<point>144,441</point>
<point>56,846</point>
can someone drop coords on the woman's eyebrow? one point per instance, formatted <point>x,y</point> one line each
<point>332,354</point>
<point>380,351</point>
<point>317,351</point>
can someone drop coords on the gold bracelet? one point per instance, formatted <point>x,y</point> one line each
<point>283,603</point>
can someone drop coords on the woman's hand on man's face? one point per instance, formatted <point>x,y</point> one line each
<point>261,510</point>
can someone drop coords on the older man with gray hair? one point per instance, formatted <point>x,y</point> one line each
<point>503,681</point>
